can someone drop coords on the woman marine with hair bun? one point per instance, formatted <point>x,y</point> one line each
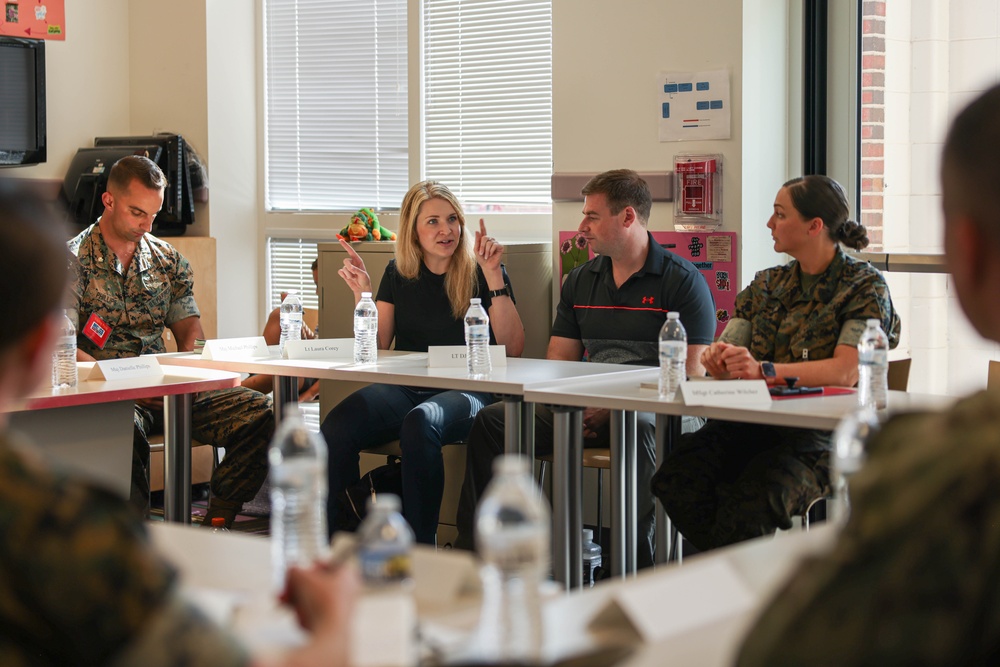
<point>729,482</point>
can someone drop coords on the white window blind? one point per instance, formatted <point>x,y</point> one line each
<point>487,99</point>
<point>335,104</point>
<point>289,263</point>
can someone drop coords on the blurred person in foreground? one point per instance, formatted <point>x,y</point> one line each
<point>80,583</point>
<point>913,577</point>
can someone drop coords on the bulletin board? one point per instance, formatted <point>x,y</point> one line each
<point>713,253</point>
<point>36,19</point>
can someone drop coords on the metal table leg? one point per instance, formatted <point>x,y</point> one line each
<point>618,493</point>
<point>286,392</point>
<point>567,496</point>
<point>624,503</point>
<point>177,457</point>
<point>631,494</point>
<point>668,430</point>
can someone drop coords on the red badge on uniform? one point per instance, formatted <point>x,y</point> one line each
<point>97,330</point>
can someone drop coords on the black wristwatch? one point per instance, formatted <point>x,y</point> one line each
<point>503,291</point>
<point>767,369</point>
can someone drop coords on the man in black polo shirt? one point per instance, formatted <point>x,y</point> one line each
<point>611,309</point>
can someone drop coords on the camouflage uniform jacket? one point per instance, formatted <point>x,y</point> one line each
<point>788,324</point>
<point>80,584</point>
<point>157,291</point>
<point>914,578</point>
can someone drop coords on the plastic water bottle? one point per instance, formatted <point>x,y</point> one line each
<point>385,543</point>
<point>219,525</point>
<point>64,356</point>
<point>591,557</point>
<point>365,330</point>
<point>298,496</point>
<point>850,440</point>
<point>477,340</point>
<point>291,318</point>
<point>673,356</point>
<point>512,535</point>
<point>873,366</point>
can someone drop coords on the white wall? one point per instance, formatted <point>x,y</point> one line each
<point>234,159</point>
<point>606,59</point>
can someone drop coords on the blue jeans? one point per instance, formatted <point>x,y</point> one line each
<point>423,420</point>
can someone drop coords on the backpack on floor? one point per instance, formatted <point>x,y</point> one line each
<point>353,501</point>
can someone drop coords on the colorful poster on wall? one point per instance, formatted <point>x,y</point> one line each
<point>37,19</point>
<point>714,253</point>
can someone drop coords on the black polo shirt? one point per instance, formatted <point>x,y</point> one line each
<point>422,311</point>
<point>621,325</point>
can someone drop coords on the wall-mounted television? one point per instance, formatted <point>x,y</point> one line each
<point>22,101</point>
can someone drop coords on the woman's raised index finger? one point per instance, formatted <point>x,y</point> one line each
<point>351,251</point>
<point>482,226</point>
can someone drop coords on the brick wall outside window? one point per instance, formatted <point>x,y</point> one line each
<point>872,119</point>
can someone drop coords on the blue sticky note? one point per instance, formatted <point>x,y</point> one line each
<point>684,87</point>
<point>701,106</point>
<point>716,104</point>
<point>670,88</point>
<point>702,85</point>
<point>666,109</point>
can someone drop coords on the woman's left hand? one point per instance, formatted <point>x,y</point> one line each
<point>488,250</point>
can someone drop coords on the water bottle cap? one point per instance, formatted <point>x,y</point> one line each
<point>874,322</point>
<point>218,522</point>
<point>366,295</point>
<point>475,301</point>
<point>292,411</point>
<point>588,535</point>
<point>510,464</point>
<point>387,502</point>
<point>673,315</point>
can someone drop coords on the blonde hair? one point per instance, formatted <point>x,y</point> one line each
<point>460,281</point>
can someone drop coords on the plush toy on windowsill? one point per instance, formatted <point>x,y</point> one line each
<point>364,226</point>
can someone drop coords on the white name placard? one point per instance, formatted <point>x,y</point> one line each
<point>726,392</point>
<point>320,348</point>
<point>232,349</point>
<point>126,369</point>
<point>711,590</point>
<point>453,356</point>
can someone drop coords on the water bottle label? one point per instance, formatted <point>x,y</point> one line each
<point>673,350</point>
<point>590,566</point>
<point>477,331</point>
<point>385,567</point>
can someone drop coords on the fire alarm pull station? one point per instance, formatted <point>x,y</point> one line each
<point>697,192</point>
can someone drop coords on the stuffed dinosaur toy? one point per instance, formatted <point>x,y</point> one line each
<point>364,226</point>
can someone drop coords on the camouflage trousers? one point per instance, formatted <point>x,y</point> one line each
<point>730,482</point>
<point>239,420</point>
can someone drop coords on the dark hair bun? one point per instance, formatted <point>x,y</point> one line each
<point>853,235</point>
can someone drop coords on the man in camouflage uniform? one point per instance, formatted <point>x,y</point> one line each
<point>913,579</point>
<point>128,286</point>
<point>731,481</point>
<point>80,584</point>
